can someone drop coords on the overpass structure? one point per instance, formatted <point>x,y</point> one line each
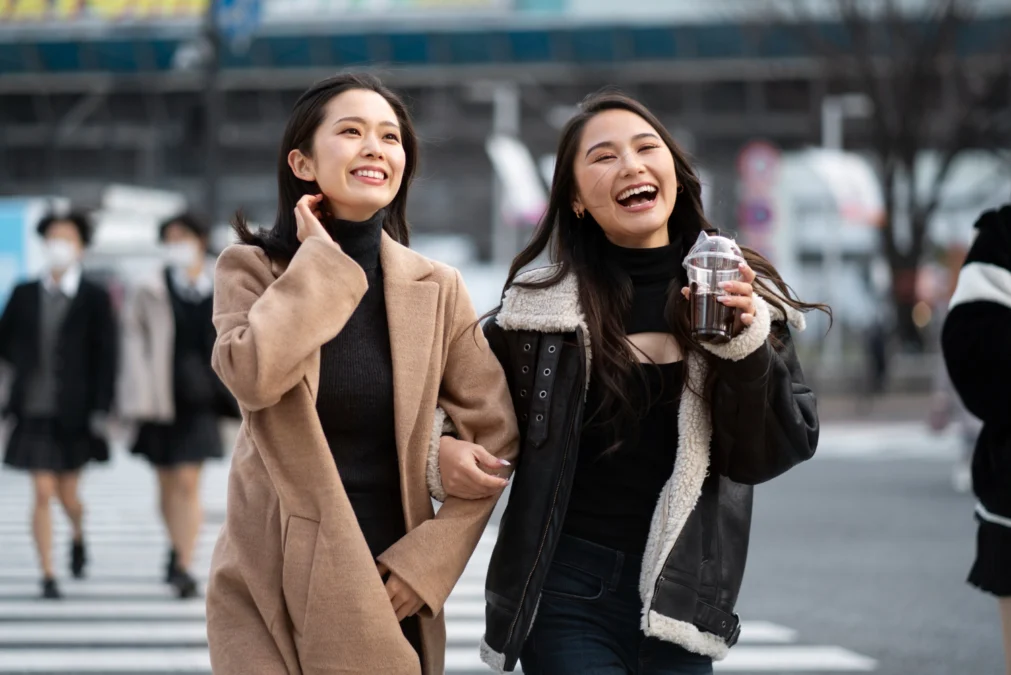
<point>94,91</point>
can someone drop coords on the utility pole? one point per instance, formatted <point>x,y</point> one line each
<point>212,112</point>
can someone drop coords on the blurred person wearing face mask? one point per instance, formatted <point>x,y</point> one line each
<point>59,335</point>
<point>168,388</point>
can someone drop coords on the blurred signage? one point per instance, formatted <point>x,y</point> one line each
<point>758,167</point>
<point>303,10</point>
<point>73,11</point>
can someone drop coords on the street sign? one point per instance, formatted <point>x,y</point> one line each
<point>237,21</point>
<point>758,163</point>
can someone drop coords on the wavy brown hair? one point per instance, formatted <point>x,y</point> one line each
<point>605,292</point>
<point>281,240</point>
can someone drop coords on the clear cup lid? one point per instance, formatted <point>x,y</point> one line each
<point>710,248</point>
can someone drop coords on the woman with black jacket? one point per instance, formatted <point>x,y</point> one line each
<point>169,388</point>
<point>974,341</point>
<point>59,335</point>
<point>622,549</point>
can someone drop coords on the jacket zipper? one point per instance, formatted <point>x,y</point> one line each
<point>558,486</point>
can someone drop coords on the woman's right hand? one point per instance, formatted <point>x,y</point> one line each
<point>307,217</point>
<point>462,467</point>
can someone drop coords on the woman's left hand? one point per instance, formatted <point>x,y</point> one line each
<point>403,598</point>
<point>739,295</point>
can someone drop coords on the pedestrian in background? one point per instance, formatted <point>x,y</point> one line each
<point>623,546</point>
<point>975,343</point>
<point>59,335</point>
<point>168,388</point>
<point>338,342</point>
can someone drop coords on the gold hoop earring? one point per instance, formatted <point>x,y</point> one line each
<point>579,214</point>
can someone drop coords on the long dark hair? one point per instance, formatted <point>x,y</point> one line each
<point>281,241</point>
<point>605,293</point>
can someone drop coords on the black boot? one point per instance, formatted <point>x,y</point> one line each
<point>50,591</point>
<point>78,559</point>
<point>173,566</point>
<point>185,585</point>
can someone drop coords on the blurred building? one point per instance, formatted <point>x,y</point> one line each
<point>94,92</point>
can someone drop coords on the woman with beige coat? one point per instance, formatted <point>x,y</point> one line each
<point>339,343</point>
<point>167,388</point>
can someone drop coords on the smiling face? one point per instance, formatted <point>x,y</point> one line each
<point>357,155</point>
<point>625,179</point>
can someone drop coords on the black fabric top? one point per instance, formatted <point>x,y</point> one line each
<point>355,401</point>
<point>615,491</point>
<point>651,270</point>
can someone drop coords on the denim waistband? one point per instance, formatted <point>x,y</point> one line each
<point>605,563</point>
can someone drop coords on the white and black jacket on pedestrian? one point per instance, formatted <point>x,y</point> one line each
<point>762,422</point>
<point>976,341</point>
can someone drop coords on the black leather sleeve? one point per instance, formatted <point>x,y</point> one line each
<point>765,417</point>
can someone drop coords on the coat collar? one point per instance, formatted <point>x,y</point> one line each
<point>69,283</point>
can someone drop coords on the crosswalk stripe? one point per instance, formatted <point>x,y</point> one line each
<point>108,660</point>
<point>89,633</point>
<point>794,659</point>
<point>71,608</point>
<point>124,619</point>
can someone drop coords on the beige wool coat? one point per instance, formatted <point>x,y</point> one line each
<point>293,588</point>
<point>144,389</point>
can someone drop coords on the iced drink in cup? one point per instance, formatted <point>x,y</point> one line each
<point>712,260</point>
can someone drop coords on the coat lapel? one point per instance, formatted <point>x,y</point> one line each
<point>411,307</point>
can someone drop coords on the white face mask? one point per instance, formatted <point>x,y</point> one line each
<point>182,254</point>
<point>60,254</point>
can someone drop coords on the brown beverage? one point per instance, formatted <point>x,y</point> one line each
<point>712,321</point>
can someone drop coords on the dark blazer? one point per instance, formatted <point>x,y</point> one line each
<point>86,352</point>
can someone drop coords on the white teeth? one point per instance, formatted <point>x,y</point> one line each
<point>636,190</point>
<point>370,174</point>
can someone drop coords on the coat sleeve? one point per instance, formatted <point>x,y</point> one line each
<point>268,328</point>
<point>431,557</point>
<point>105,350</point>
<point>975,334</point>
<point>765,417</point>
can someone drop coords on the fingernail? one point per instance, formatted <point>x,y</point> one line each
<point>722,298</point>
<point>504,462</point>
<point>723,284</point>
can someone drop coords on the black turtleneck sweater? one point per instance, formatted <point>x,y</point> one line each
<point>355,401</point>
<point>615,491</point>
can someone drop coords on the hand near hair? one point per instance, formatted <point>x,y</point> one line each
<point>307,215</point>
<point>737,294</point>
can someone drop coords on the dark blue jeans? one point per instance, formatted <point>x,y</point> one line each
<point>588,620</point>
